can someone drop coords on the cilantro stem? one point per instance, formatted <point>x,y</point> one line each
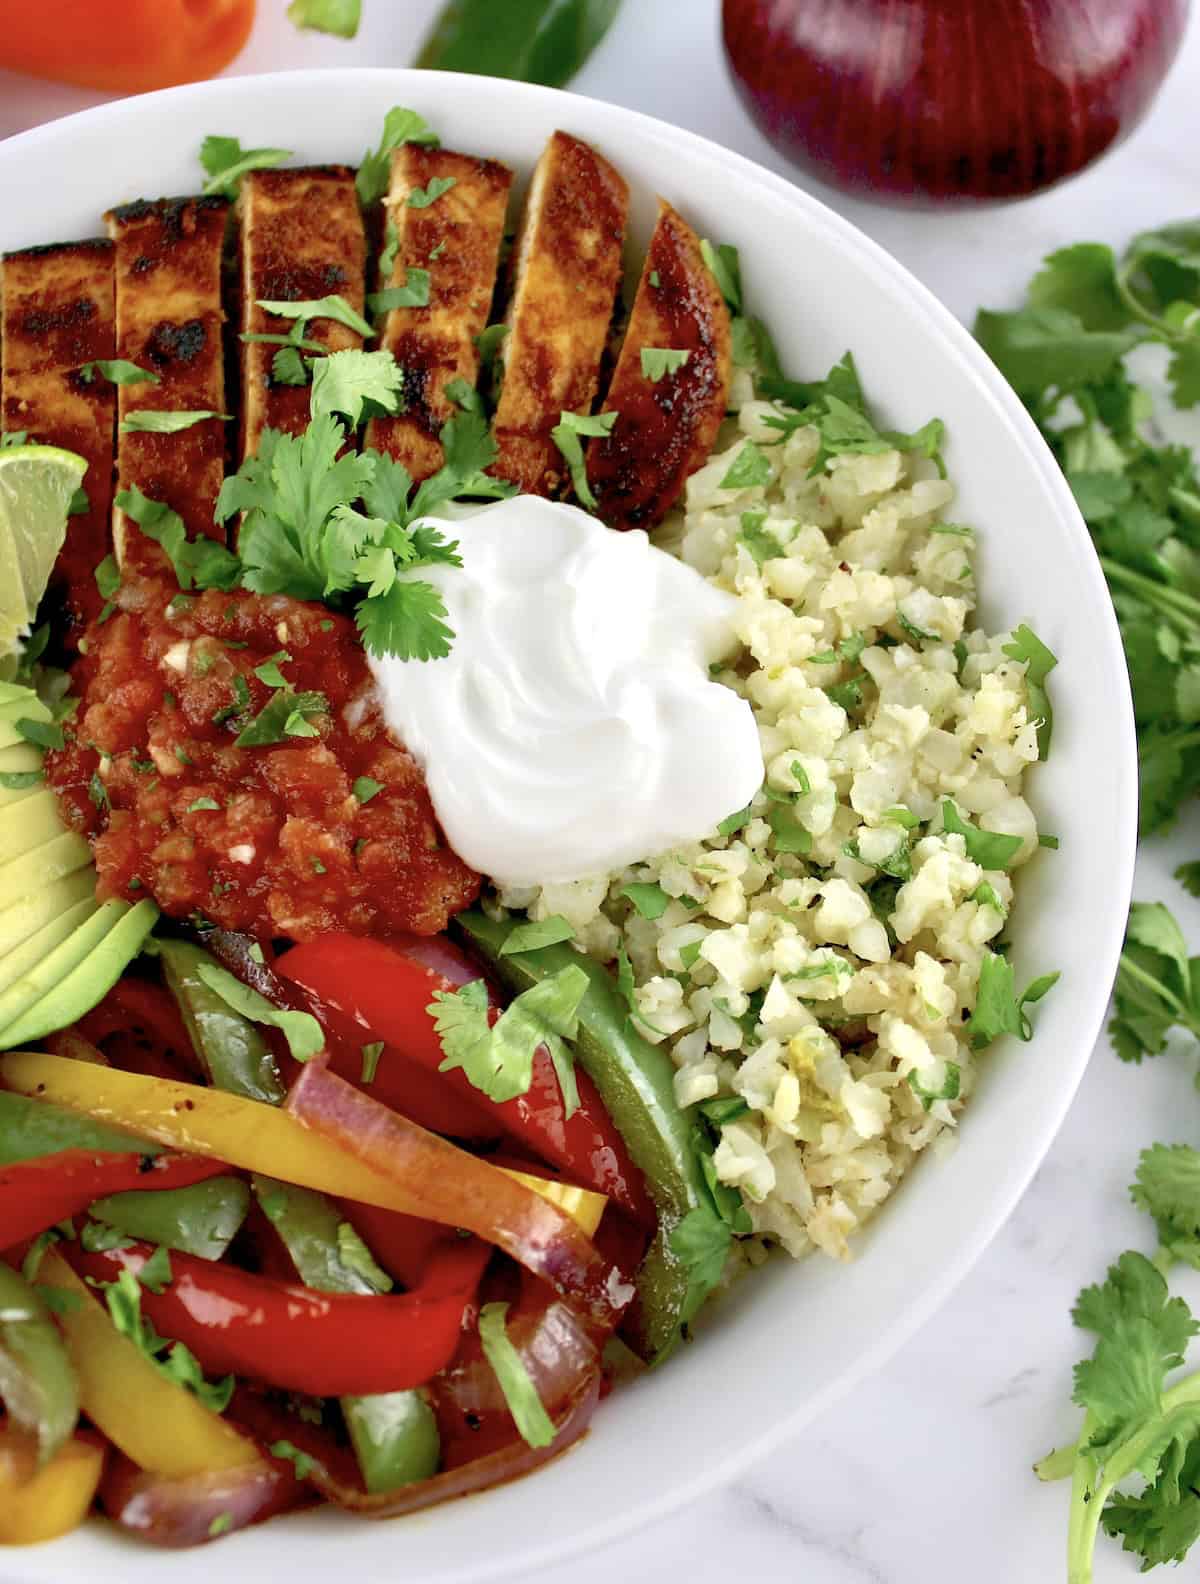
<point>1090,1495</point>
<point>1171,601</point>
<point>1128,966</point>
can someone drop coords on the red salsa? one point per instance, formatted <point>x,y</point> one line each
<point>323,824</point>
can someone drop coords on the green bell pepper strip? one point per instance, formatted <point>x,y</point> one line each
<point>394,1434</point>
<point>202,1220</point>
<point>235,1054</point>
<point>37,1383</point>
<point>31,1129</point>
<point>636,1082</point>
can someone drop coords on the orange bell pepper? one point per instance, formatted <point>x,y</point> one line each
<point>123,46</point>
<point>41,1504</point>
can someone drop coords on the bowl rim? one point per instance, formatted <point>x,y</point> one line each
<point>959,343</point>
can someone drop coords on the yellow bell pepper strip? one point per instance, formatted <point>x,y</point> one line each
<point>249,1135</point>
<point>42,1504</point>
<point>157,1423</point>
<point>37,1383</point>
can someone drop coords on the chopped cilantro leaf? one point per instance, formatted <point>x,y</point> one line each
<point>269,671</point>
<point>537,933</point>
<point>946,1090</point>
<point>989,849</point>
<point>732,823</point>
<point>370,1060</point>
<point>301,1461</point>
<point>527,1409</point>
<point>725,267</point>
<point>758,539</point>
<point>567,434</point>
<point>118,371</point>
<point>43,734</point>
<point>998,1008</point>
<point>1039,662</point>
<point>356,384</point>
<point>333,307</point>
<point>650,900</point>
<point>399,126</point>
<point>750,469</point>
<point>498,1059</point>
<point>365,788</point>
<point>226,162</point>
<point>202,803</point>
<point>144,421</point>
<point>414,293</point>
<point>422,197</point>
<point>658,362</point>
<point>301,1030</point>
<point>202,563</point>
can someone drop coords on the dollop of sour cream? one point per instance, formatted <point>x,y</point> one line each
<point>573,728</point>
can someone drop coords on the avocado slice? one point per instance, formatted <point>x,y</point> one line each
<point>25,916</point>
<point>17,701</point>
<point>83,974</point>
<point>53,967</point>
<point>32,823</point>
<point>23,959</point>
<point>34,870</point>
<point>20,764</point>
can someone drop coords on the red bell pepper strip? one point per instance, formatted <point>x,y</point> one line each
<point>384,988</point>
<point>292,1337</point>
<point>138,1027</point>
<point>37,1194</point>
<point>402,1244</point>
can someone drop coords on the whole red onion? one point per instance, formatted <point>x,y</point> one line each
<point>938,101</point>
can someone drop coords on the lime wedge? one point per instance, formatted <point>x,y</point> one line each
<point>36,486</point>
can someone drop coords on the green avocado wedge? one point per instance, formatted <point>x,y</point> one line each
<point>24,959</point>
<point>54,966</point>
<point>79,974</point>
<point>24,916</point>
<point>636,1083</point>
<point>31,823</point>
<point>33,871</point>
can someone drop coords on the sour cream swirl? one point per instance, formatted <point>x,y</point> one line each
<point>574,727</point>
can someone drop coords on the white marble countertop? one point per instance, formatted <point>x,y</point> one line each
<point>921,1475</point>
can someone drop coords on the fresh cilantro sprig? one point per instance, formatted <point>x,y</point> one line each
<point>1136,1427</point>
<point>1064,353</point>
<point>498,1057</point>
<point>322,522</point>
<point>399,126</point>
<point>226,162</point>
<point>1158,984</point>
<point>176,1361</point>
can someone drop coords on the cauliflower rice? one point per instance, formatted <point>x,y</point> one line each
<point>818,957</point>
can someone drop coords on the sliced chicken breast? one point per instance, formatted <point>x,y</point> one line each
<point>455,235</point>
<point>566,273</point>
<point>668,408</point>
<point>169,318</point>
<point>301,237</point>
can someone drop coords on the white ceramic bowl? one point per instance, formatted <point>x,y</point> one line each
<point>790,1341</point>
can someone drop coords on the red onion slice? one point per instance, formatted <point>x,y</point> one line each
<point>446,1184</point>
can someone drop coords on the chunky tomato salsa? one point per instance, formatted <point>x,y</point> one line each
<point>228,759</point>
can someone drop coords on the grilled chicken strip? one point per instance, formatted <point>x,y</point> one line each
<point>566,274</point>
<point>456,237</point>
<point>57,317</point>
<point>665,427</point>
<point>301,237</point>
<point>169,317</point>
